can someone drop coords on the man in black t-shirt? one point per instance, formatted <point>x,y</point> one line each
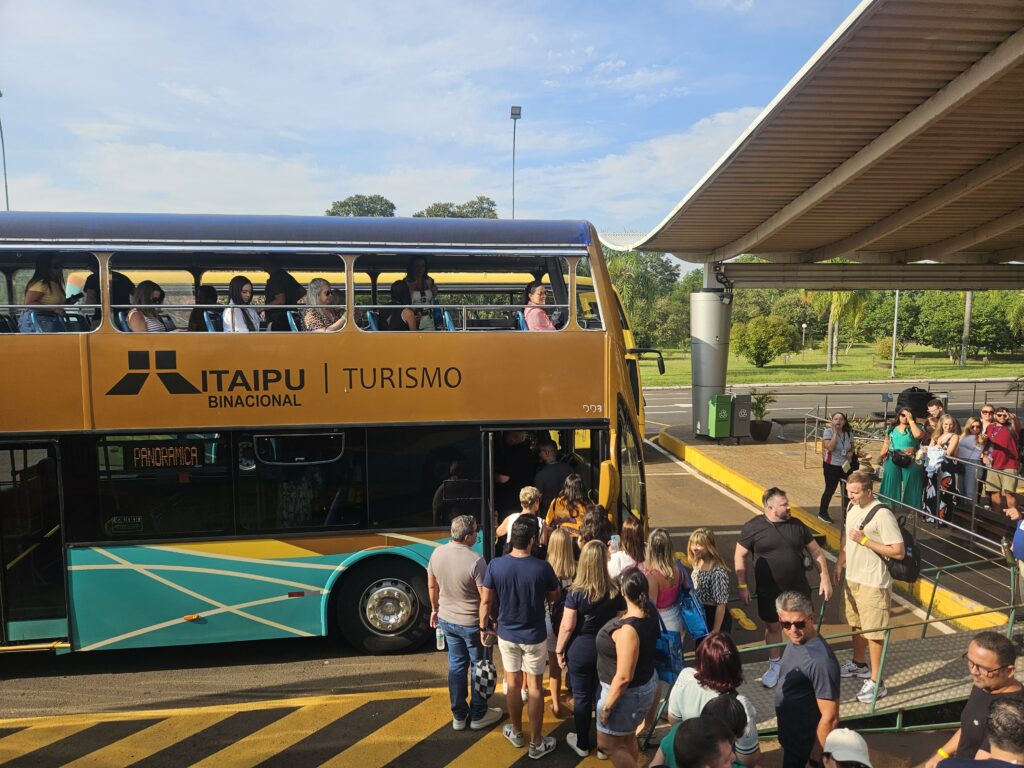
<point>991,658</point>
<point>776,541</point>
<point>281,288</point>
<point>1005,734</point>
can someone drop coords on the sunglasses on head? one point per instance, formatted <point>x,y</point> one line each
<point>793,624</point>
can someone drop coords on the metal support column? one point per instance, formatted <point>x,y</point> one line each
<point>710,322</point>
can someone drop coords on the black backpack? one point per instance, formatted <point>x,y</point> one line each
<point>909,568</point>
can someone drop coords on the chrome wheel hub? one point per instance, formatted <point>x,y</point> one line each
<point>388,606</point>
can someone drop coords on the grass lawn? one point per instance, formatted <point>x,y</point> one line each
<point>917,362</point>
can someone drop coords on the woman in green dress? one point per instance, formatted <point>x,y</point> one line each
<point>903,484</point>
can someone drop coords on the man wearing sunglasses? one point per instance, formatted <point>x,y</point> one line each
<point>807,696</point>
<point>991,658</point>
<point>1002,452</point>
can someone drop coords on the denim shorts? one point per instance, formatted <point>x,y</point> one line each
<point>629,710</point>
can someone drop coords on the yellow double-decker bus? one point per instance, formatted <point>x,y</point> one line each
<point>182,484</point>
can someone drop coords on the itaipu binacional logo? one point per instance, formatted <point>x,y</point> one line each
<point>224,388</point>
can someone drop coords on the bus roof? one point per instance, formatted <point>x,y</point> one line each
<point>63,230</point>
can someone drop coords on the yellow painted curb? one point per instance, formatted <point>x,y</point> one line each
<point>947,602</point>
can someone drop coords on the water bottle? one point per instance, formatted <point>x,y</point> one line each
<point>439,634</point>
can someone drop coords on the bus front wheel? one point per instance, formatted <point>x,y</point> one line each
<point>383,607</point>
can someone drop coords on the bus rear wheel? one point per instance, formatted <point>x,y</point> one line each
<point>383,607</point>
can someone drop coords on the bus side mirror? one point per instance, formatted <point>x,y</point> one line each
<point>641,351</point>
<point>608,491</point>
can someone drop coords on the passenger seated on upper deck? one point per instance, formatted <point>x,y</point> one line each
<point>143,318</point>
<point>281,288</point>
<point>320,317</point>
<point>121,289</point>
<point>45,289</point>
<point>536,318</point>
<point>422,290</point>
<point>239,317</point>
<point>401,316</point>
<point>205,295</point>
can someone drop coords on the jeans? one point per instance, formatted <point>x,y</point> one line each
<point>464,650</point>
<point>582,658</point>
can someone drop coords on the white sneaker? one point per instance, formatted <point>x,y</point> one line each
<point>515,739</point>
<point>867,692</point>
<point>771,676</point>
<point>459,725</point>
<point>853,669</point>
<point>547,744</point>
<point>570,739</point>
<point>490,717</point>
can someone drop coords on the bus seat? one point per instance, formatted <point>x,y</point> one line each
<point>33,322</point>
<point>371,321</point>
<point>214,320</point>
<point>122,321</point>
<point>521,320</point>
<point>76,322</point>
<point>295,320</point>
<point>168,323</point>
<point>449,321</point>
<point>7,324</point>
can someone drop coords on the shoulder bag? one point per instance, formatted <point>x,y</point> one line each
<point>668,653</point>
<point>691,609</point>
<point>909,568</point>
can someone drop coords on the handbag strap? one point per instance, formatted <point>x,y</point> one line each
<point>798,549</point>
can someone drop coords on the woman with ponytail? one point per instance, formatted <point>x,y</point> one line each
<point>625,667</point>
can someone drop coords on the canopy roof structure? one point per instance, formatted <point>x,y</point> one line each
<point>900,141</point>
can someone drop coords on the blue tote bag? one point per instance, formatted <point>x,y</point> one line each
<point>691,610</point>
<point>668,654</point>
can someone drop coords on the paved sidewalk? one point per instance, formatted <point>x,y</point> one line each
<point>750,467</point>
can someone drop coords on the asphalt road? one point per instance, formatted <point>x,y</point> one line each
<point>673,406</point>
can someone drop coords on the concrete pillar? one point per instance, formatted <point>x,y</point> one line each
<point>710,322</point>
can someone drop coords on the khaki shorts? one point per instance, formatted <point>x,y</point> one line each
<point>868,608</point>
<point>523,657</point>
<point>997,483</point>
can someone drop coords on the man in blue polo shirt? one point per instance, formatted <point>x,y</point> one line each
<point>515,588</point>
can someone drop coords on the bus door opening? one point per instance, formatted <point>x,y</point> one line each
<point>33,599</point>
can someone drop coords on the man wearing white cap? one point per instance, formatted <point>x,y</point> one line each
<point>845,749</point>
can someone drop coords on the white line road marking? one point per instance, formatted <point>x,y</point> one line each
<point>940,626</point>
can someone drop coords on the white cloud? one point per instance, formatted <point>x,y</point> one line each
<point>190,93</point>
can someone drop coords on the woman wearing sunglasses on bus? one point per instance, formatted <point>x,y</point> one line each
<point>239,317</point>
<point>143,318</point>
<point>902,475</point>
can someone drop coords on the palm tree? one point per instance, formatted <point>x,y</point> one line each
<point>840,305</point>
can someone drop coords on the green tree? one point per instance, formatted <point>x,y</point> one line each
<point>839,305</point>
<point>641,278</point>
<point>942,321</point>
<point>877,317</point>
<point>480,207</point>
<point>764,338</point>
<point>362,205</point>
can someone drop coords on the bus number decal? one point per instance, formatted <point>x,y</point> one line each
<point>593,408</point>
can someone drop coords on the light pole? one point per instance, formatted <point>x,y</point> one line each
<point>895,328</point>
<point>3,154</point>
<point>517,112</point>
<point>803,335</point>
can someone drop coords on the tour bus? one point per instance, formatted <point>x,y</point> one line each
<point>180,486</point>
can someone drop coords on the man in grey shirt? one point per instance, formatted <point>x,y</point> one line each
<point>455,576</point>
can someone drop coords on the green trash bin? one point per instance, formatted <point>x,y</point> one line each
<point>720,416</point>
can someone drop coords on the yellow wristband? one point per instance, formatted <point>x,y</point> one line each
<point>742,586</point>
<point>864,541</point>
<point>942,753</point>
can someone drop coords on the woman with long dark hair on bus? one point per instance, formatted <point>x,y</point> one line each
<point>422,290</point>
<point>401,317</point>
<point>143,317</point>
<point>45,289</point>
<point>569,507</point>
<point>536,318</point>
<point>239,317</point>
<point>625,667</point>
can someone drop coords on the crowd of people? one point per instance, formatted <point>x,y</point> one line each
<point>319,306</point>
<point>932,464</point>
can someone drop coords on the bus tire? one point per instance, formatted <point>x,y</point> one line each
<point>382,606</point>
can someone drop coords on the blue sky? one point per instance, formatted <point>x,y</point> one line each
<point>272,107</point>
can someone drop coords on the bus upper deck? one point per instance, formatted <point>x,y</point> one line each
<point>169,488</point>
